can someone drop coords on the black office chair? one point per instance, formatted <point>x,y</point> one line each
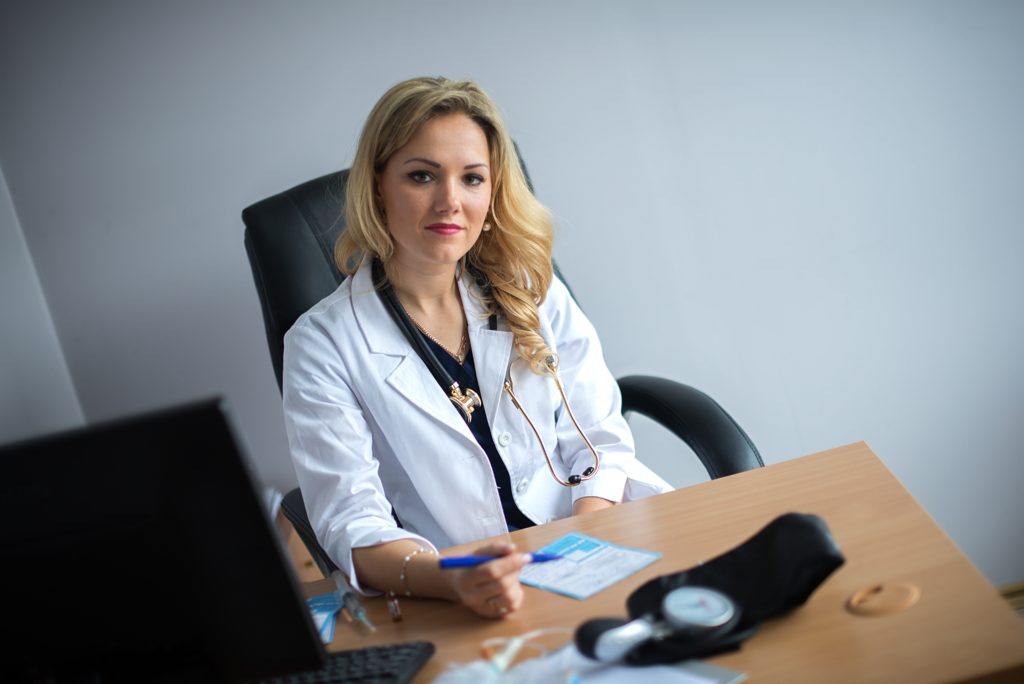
<point>290,238</point>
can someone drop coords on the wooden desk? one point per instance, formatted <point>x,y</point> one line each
<point>960,629</point>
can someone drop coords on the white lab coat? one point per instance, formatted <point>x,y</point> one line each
<point>370,429</point>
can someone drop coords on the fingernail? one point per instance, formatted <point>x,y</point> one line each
<point>525,557</point>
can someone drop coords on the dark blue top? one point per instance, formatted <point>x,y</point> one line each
<point>465,375</point>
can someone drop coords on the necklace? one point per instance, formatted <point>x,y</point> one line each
<point>460,355</point>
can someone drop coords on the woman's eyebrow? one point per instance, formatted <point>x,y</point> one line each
<point>431,162</point>
<point>428,162</point>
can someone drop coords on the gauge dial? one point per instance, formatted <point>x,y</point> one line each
<point>698,608</point>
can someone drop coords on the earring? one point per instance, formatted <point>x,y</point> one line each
<point>487,226</point>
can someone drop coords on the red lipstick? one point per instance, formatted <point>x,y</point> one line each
<point>444,228</point>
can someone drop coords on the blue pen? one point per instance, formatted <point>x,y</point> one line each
<point>473,561</point>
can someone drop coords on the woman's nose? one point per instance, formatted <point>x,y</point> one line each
<point>448,201</point>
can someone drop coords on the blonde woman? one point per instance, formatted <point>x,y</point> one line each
<point>450,389</point>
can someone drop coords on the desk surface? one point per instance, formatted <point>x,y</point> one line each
<point>960,629</point>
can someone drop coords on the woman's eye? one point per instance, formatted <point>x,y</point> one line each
<point>474,179</point>
<point>420,177</point>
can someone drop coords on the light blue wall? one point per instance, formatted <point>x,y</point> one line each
<point>810,210</point>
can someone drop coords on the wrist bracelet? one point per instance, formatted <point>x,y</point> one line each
<point>393,606</point>
<point>405,566</point>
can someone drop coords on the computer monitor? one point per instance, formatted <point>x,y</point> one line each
<point>140,550</point>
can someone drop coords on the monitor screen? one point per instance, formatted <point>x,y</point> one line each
<point>140,550</point>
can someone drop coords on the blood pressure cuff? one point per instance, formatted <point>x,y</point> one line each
<point>771,573</point>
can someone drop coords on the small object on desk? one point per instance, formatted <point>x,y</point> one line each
<point>883,599</point>
<point>588,566</point>
<point>394,607</point>
<point>350,601</point>
<point>324,608</point>
<point>473,561</point>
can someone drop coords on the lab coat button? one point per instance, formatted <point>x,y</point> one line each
<point>521,487</point>
<point>504,439</point>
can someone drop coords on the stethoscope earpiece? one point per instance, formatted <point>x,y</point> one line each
<point>578,479</point>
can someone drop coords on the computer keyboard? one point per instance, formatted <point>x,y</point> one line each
<point>390,664</point>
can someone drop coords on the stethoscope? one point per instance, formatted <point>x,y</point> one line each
<point>467,400</point>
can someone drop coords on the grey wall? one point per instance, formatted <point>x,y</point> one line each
<point>37,395</point>
<point>810,210</point>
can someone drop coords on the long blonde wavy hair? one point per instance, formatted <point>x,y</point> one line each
<point>513,258</point>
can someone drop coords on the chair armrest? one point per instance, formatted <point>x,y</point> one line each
<point>294,509</point>
<point>694,417</point>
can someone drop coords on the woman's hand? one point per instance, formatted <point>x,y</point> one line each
<point>492,589</point>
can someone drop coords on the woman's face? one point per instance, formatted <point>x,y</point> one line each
<point>436,191</point>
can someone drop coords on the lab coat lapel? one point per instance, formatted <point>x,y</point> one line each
<point>410,379</point>
<point>492,349</point>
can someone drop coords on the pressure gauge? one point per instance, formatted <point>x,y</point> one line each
<point>698,610</point>
<point>697,614</point>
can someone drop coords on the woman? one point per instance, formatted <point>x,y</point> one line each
<point>402,388</point>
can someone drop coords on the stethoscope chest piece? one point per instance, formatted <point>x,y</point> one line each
<point>466,400</point>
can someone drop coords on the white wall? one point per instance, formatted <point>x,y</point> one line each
<point>37,395</point>
<point>813,210</point>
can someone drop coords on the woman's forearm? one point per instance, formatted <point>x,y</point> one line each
<point>402,566</point>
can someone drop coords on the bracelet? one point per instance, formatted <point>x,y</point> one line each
<point>405,565</point>
<point>393,606</point>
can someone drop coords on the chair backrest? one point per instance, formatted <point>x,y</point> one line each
<point>290,238</point>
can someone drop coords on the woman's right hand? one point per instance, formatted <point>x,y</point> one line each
<point>492,589</point>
